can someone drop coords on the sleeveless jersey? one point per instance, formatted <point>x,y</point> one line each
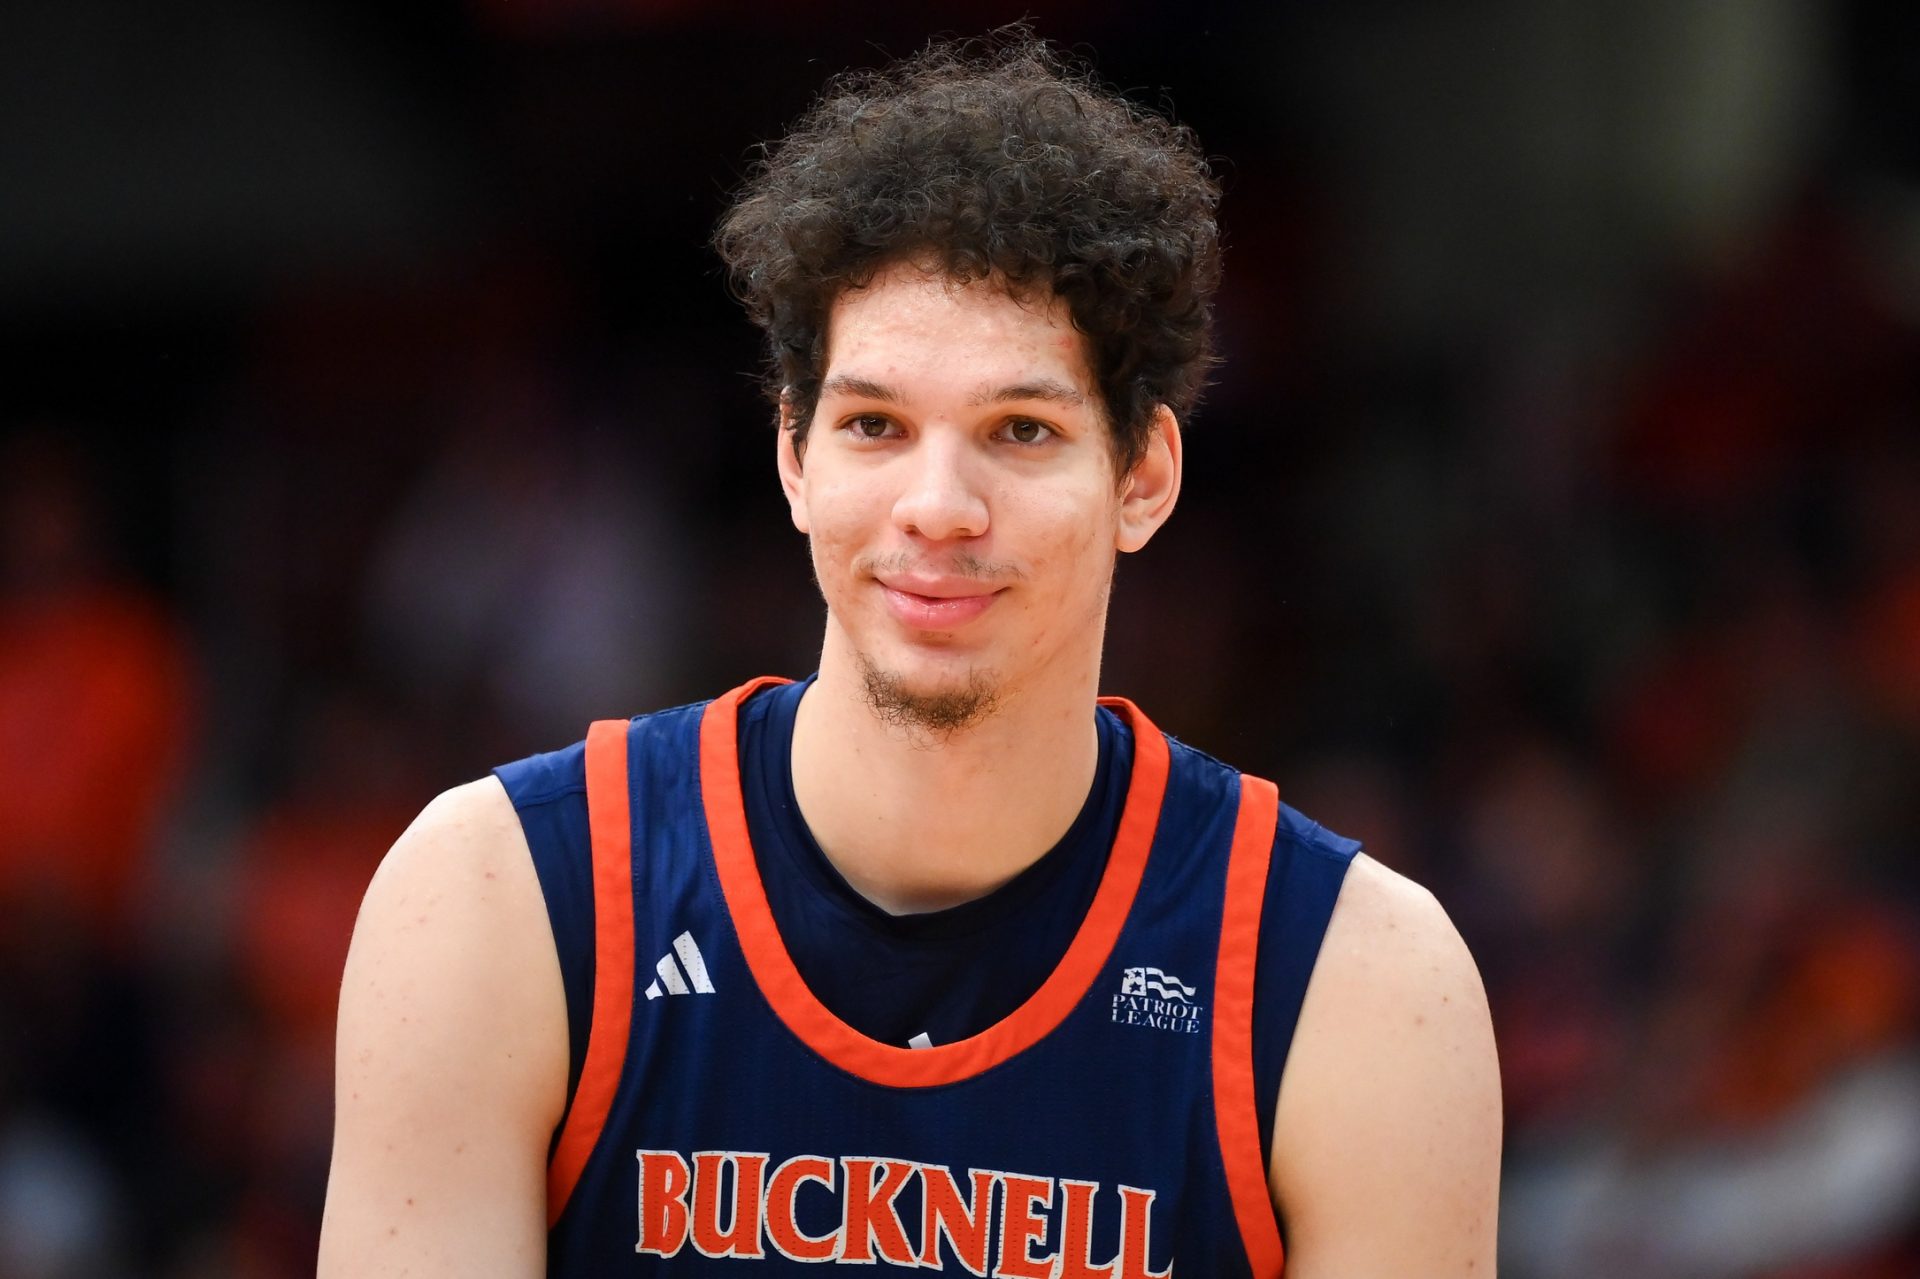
<point>1110,1127</point>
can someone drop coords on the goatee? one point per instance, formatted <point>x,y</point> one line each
<point>940,714</point>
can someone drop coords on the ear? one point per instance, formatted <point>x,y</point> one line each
<point>1148,495</point>
<point>787,463</point>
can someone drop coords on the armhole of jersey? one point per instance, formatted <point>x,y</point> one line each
<point>1304,879</point>
<point>1235,1105</point>
<point>610,820</point>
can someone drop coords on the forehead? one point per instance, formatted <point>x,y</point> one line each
<point>908,325</point>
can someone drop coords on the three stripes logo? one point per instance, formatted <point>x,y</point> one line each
<point>688,977</point>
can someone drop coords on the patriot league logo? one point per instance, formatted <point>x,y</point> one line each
<point>1154,997</point>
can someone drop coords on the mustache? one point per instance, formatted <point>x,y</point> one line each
<point>958,564</point>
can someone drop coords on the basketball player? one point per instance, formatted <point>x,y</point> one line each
<point>933,959</point>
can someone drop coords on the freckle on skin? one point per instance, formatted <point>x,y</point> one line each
<point>409,1201</point>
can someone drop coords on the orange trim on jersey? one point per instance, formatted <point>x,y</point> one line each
<point>840,1043</point>
<point>610,824</point>
<point>1235,1106</point>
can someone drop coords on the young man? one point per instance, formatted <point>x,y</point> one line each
<point>931,960</point>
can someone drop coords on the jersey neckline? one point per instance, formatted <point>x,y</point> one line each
<point>784,848</point>
<point>812,1023</point>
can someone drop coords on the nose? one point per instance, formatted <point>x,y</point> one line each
<point>940,499</point>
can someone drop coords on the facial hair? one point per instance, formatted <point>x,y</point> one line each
<point>939,714</point>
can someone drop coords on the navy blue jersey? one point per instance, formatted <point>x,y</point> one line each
<point>1109,1127</point>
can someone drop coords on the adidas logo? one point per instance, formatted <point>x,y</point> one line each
<point>694,981</point>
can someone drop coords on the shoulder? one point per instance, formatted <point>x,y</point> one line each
<point>1393,980</point>
<point>472,820</point>
<point>452,956</point>
<point>1391,1093</point>
<point>1389,938</point>
<point>466,854</point>
<point>451,1059</point>
<point>452,935</point>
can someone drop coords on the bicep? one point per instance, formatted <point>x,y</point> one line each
<point>451,1057</point>
<point>1386,1157</point>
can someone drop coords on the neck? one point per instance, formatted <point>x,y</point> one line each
<point>917,821</point>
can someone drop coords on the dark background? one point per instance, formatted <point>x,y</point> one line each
<point>372,411</point>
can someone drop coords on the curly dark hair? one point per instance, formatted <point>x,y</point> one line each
<point>991,159</point>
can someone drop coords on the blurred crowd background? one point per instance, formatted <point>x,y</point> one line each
<point>372,412</point>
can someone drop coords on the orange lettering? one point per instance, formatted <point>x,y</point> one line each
<point>870,1216</point>
<point>945,1213</point>
<point>1021,1227</point>
<point>742,1237</point>
<point>1076,1232</point>
<point>1136,1233</point>
<point>782,1190</point>
<point>663,1202</point>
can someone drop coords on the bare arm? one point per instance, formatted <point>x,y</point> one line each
<point>451,1064</point>
<point>1386,1152</point>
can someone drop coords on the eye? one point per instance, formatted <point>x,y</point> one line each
<point>1024,430</point>
<point>870,426</point>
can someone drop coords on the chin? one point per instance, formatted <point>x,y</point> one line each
<point>942,703</point>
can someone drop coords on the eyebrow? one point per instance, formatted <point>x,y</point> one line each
<point>860,387</point>
<point>1044,389</point>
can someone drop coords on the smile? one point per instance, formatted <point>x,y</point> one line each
<point>938,612</point>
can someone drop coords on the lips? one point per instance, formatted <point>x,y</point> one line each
<point>937,604</point>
